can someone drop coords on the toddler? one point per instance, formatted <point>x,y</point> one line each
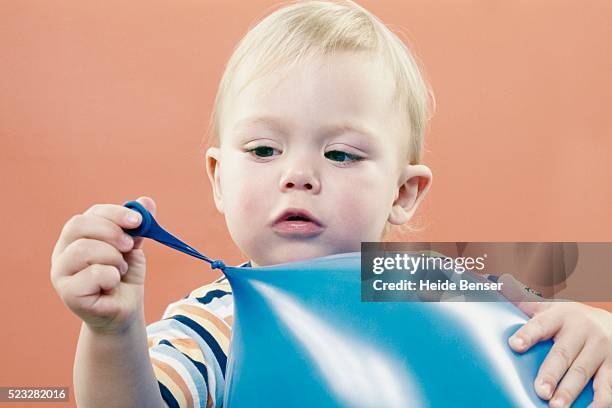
<point>319,122</point>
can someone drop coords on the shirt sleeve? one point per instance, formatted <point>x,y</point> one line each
<point>189,347</point>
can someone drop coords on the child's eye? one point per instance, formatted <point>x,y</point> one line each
<point>342,157</point>
<point>263,151</point>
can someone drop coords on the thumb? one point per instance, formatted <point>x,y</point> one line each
<point>149,204</point>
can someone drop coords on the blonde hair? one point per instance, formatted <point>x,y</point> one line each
<point>306,29</point>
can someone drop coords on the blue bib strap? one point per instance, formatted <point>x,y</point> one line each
<point>149,228</point>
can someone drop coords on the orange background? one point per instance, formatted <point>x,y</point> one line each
<point>101,102</point>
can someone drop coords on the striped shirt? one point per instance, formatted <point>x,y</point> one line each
<point>190,345</point>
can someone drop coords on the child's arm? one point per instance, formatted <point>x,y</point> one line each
<point>582,347</point>
<point>99,272</point>
<point>114,369</point>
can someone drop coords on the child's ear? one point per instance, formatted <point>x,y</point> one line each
<point>414,183</point>
<point>213,164</point>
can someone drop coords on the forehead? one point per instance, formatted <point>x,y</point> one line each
<point>281,125</point>
<point>344,92</point>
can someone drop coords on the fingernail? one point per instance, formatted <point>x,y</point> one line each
<point>133,218</point>
<point>544,390</point>
<point>517,342</point>
<point>124,268</point>
<point>558,402</point>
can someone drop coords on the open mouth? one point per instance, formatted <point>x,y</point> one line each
<point>297,223</point>
<point>297,218</point>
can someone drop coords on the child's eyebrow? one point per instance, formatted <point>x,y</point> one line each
<point>268,121</point>
<point>281,126</point>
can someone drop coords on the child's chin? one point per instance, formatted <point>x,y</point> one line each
<point>293,253</point>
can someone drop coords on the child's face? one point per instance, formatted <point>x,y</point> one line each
<point>289,146</point>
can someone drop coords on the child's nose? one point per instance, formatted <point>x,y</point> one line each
<point>300,179</point>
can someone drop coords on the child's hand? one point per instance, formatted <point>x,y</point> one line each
<point>582,346</point>
<point>98,270</point>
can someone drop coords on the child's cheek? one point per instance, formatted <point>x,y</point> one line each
<point>252,202</point>
<point>353,210</point>
<point>362,211</point>
<point>245,197</point>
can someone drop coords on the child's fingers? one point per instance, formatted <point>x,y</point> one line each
<point>84,252</point>
<point>531,308</point>
<point>540,327</point>
<point>565,349</point>
<point>82,291</point>
<point>120,215</point>
<point>82,224</point>
<point>578,375</point>
<point>93,227</point>
<point>149,204</point>
<point>93,279</point>
<point>602,385</point>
